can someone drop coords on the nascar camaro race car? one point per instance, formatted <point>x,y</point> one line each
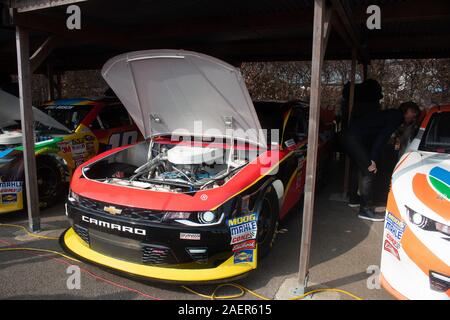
<point>200,199</point>
<point>415,262</point>
<point>67,132</point>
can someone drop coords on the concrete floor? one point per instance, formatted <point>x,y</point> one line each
<point>343,248</point>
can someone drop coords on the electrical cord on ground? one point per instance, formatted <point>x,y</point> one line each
<point>213,296</point>
<point>243,290</point>
<point>93,275</point>
<point>39,250</point>
<point>34,235</point>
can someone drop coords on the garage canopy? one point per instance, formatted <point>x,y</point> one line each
<point>232,30</point>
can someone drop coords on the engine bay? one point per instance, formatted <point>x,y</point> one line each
<point>167,167</point>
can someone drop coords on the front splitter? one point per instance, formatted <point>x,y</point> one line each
<point>226,271</point>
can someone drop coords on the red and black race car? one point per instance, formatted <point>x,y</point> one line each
<point>201,198</point>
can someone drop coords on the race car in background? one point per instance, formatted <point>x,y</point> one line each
<point>200,199</point>
<point>415,261</point>
<point>67,133</point>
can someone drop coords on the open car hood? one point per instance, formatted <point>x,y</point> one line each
<point>171,91</point>
<point>10,113</point>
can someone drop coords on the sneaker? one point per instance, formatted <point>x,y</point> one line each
<point>369,214</point>
<point>354,202</point>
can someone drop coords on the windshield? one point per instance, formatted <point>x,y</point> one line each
<point>70,116</point>
<point>437,134</point>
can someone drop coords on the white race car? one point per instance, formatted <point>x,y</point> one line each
<point>416,244</point>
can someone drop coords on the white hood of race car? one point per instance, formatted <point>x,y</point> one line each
<point>170,91</point>
<point>10,113</point>
<point>428,165</point>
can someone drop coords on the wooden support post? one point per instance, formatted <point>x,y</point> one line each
<point>365,71</point>
<point>351,102</point>
<point>58,86</point>
<point>26,117</point>
<point>318,48</point>
<point>50,83</point>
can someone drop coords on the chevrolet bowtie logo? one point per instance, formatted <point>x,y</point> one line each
<point>112,210</point>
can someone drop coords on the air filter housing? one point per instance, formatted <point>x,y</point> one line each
<point>193,155</point>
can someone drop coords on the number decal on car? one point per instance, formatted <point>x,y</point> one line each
<point>123,139</point>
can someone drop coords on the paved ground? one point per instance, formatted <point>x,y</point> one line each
<point>343,247</point>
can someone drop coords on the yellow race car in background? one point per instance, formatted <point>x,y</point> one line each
<point>68,132</point>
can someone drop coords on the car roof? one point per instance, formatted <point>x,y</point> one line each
<point>271,112</point>
<point>433,110</point>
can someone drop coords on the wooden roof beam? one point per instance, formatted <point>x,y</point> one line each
<point>349,30</point>
<point>32,5</point>
<point>42,52</point>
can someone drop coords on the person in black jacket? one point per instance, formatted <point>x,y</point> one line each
<point>364,141</point>
<point>366,100</point>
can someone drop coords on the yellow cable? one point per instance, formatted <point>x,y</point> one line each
<point>214,295</point>
<point>329,290</point>
<point>243,290</point>
<point>28,232</point>
<point>39,250</point>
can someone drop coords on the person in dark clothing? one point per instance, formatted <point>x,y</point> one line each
<point>364,141</point>
<point>367,100</point>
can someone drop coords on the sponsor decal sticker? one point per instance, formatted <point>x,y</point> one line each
<point>240,220</point>
<point>11,187</point>
<point>289,143</point>
<point>389,247</point>
<point>392,240</point>
<point>243,237</point>
<point>243,231</point>
<point>243,256</point>
<point>60,107</point>
<point>394,226</point>
<point>9,198</point>
<point>78,159</point>
<point>65,147</point>
<point>243,228</point>
<point>78,148</point>
<point>189,236</point>
<point>246,245</point>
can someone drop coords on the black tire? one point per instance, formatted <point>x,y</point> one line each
<point>267,221</point>
<point>50,178</point>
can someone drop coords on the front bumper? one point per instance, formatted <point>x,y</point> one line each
<point>11,196</point>
<point>157,252</point>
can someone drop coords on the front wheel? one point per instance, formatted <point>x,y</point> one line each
<point>49,180</point>
<point>267,222</point>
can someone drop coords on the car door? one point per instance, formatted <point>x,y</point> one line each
<point>294,139</point>
<point>114,127</point>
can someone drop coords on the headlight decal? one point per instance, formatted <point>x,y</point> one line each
<point>426,223</point>
<point>443,228</point>
<point>73,197</point>
<point>197,219</point>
